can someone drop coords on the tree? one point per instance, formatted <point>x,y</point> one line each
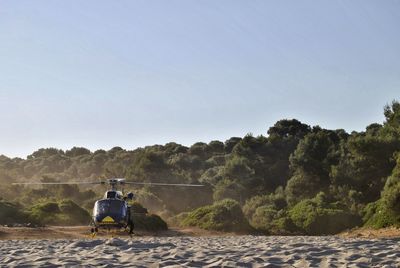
<point>77,151</point>
<point>45,152</point>
<point>289,128</point>
<point>311,164</point>
<point>216,147</point>
<point>392,115</point>
<point>229,144</point>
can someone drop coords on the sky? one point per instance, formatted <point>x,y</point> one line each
<point>129,73</point>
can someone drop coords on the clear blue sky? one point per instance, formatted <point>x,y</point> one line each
<point>131,73</point>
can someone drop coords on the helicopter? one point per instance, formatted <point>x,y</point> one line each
<point>113,210</point>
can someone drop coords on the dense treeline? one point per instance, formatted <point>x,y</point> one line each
<point>296,179</point>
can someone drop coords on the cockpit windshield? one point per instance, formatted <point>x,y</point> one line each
<point>110,206</point>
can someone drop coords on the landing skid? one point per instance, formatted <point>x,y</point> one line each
<point>129,229</point>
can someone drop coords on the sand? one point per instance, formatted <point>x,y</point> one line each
<point>209,251</point>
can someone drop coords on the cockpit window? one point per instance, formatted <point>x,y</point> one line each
<point>108,206</point>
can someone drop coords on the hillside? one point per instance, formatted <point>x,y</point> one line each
<point>295,179</point>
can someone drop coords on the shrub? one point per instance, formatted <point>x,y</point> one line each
<point>386,211</point>
<point>72,214</point>
<point>49,207</point>
<point>45,213</point>
<point>144,221</point>
<point>11,213</point>
<point>390,196</point>
<point>317,218</point>
<point>276,201</point>
<point>149,222</point>
<point>263,218</point>
<point>378,215</point>
<point>267,213</point>
<point>271,221</point>
<point>253,203</point>
<point>136,207</point>
<point>66,212</point>
<point>284,225</point>
<point>225,215</point>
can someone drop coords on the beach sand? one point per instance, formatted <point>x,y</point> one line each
<point>202,251</point>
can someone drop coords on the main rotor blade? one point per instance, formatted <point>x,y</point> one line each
<point>164,184</point>
<point>57,183</point>
<point>121,181</point>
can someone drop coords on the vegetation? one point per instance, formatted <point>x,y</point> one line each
<point>65,212</point>
<point>225,215</point>
<point>317,216</point>
<point>145,221</point>
<point>386,211</point>
<point>149,222</point>
<point>11,213</point>
<point>296,179</point>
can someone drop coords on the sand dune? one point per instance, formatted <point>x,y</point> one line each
<point>232,251</point>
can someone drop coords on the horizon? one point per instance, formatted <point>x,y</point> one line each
<point>100,74</point>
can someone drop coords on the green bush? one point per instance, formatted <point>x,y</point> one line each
<point>263,218</point>
<point>378,215</point>
<point>144,221</point>
<point>276,200</point>
<point>390,196</point>
<point>317,218</point>
<point>72,214</point>
<point>11,213</point>
<point>269,220</point>
<point>386,211</point>
<point>66,212</point>
<point>284,225</point>
<point>225,215</point>
<point>268,213</point>
<point>136,207</point>
<point>45,213</point>
<point>149,222</point>
<point>49,207</point>
<point>253,203</point>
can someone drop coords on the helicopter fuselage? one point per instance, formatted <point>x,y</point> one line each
<point>112,211</point>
